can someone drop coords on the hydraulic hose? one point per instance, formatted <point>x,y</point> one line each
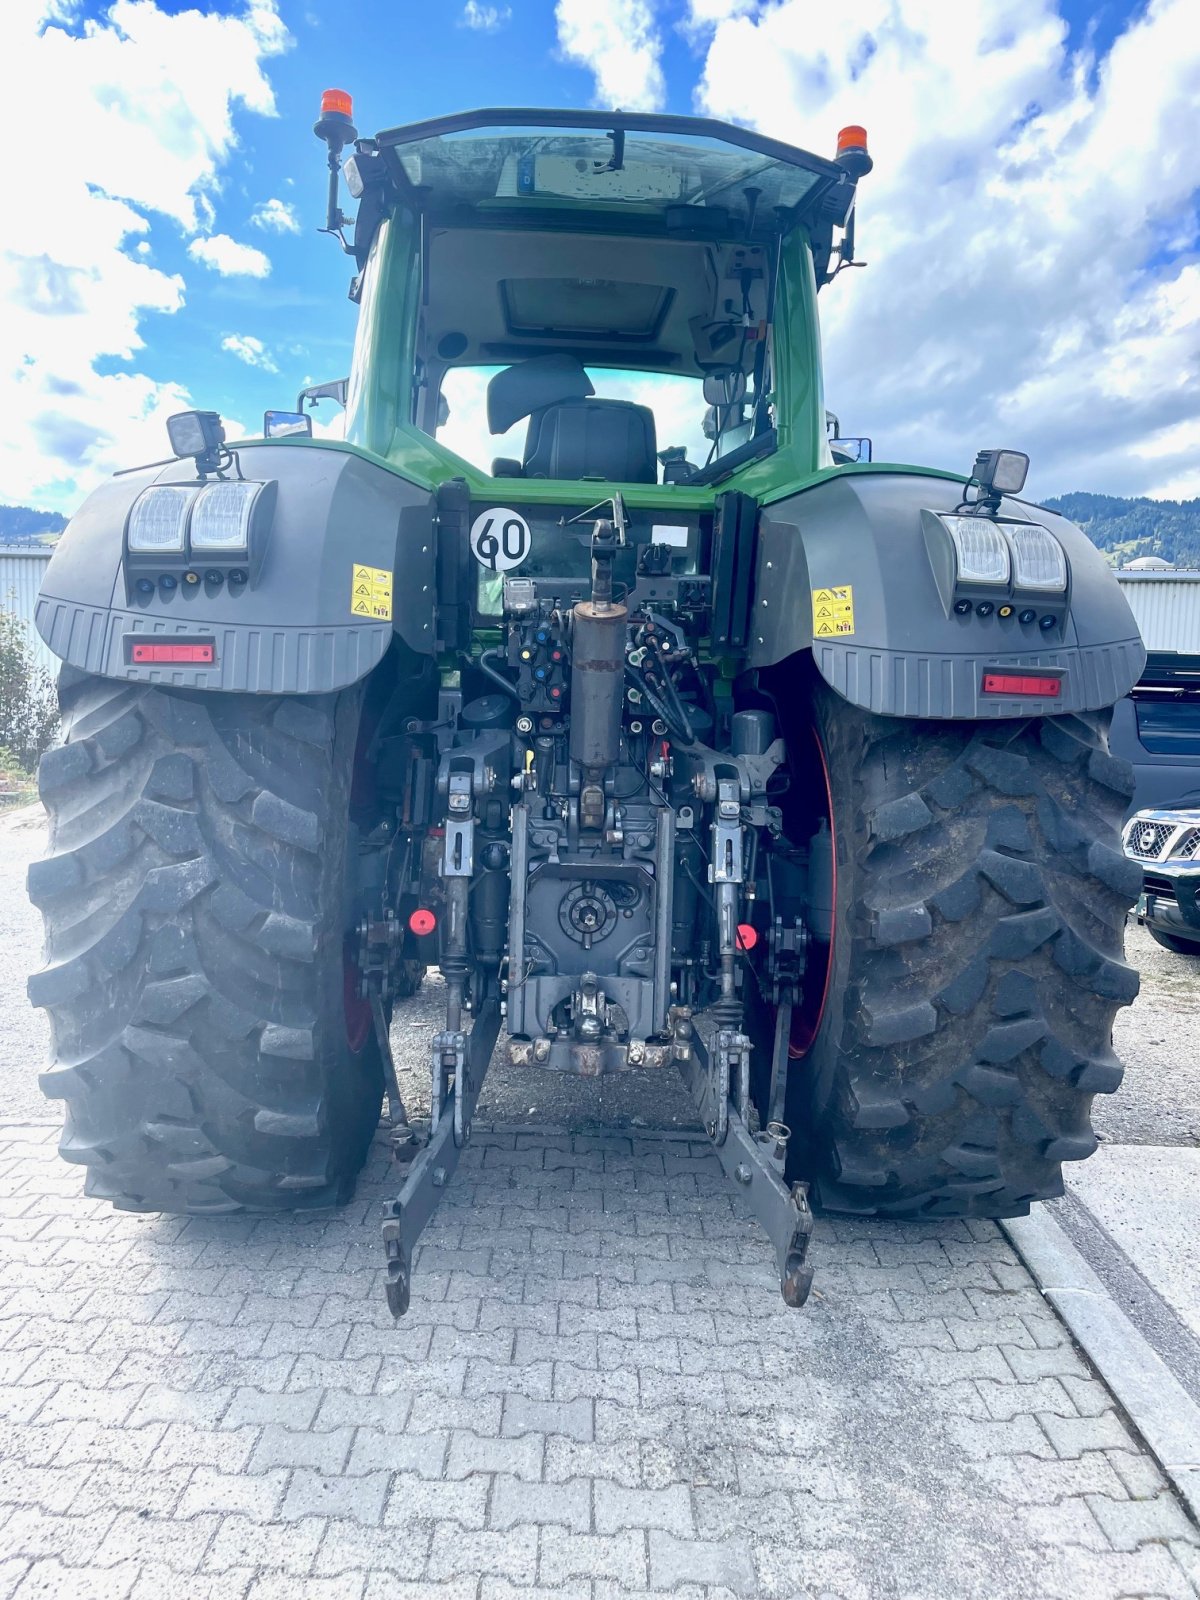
<point>497,678</point>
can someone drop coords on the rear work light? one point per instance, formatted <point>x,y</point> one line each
<point>195,655</point>
<point>158,520</point>
<point>1022,683</point>
<point>1039,561</point>
<point>981,551</point>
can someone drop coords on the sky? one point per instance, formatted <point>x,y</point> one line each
<point>1030,228</point>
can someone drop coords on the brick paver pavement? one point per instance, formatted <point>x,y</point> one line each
<point>597,1393</point>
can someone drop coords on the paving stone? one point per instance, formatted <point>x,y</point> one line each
<point>50,1577</point>
<point>180,1442</point>
<point>1129,1523</point>
<point>567,1418</point>
<point>257,1495</point>
<point>669,1509</point>
<point>155,1581</point>
<point>416,1501</point>
<point>374,1450</point>
<point>251,1406</point>
<point>457,1552</point>
<point>275,1586</point>
<point>242,1541</point>
<point>579,1555</point>
<point>348,1549</point>
<point>201,1407</point>
<point>503,1589</point>
<point>1072,1436</point>
<point>109,1486</point>
<point>178,1545</point>
<point>75,1403</point>
<point>568,1458</point>
<point>221,1406</point>
<point>515,1502</point>
<point>312,1493</point>
<point>282,1447</point>
<point>1139,1474</point>
<point>521,1457</point>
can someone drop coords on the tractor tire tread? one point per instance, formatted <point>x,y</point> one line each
<point>985,962</point>
<point>185,898</point>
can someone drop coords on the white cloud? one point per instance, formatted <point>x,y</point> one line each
<point>229,258</point>
<point>276,216</point>
<point>250,350</point>
<point>1030,226</point>
<point>620,45</point>
<point>484,18</point>
<point>144,102</point>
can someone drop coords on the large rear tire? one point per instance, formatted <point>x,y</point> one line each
<point>206,1040</point>
<point>976,962</point>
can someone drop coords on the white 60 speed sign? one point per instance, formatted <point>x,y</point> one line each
<point>500,539</point>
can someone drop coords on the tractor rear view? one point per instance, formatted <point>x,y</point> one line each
<point>673,737</point>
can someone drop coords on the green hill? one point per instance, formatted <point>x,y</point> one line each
<point>1126,529</point>
<point>24,525</point>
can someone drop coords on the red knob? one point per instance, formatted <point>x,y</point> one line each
<point>422,921</point>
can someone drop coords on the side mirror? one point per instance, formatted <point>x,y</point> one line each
<point>847,451</point>
<point>338,390</point>
<point>286,424</point>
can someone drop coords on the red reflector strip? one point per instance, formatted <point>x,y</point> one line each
<point>1021,683</point>
<point>195,654</point>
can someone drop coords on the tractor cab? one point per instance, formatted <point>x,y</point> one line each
<point>592,298</point>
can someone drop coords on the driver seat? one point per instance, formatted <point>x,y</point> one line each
<point>571,434</point>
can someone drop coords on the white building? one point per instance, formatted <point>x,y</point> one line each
<point>1165,603</point>
<point>22,568</point>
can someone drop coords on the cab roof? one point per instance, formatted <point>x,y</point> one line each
<point>688,173</point>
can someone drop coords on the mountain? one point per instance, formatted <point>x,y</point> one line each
<point>1126,529</point>
<point>24,525</point>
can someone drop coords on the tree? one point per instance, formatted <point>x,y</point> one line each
<point>28,703</point>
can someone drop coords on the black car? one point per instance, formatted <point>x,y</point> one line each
<point>1166,843</point>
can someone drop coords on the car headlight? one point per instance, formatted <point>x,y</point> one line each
<point>158,520</point>
<point>981,551</point>
<point>1039,561</point>
<point>221,516</point>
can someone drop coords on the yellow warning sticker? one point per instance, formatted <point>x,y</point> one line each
<point>371,593</point>
<point>833,612</point>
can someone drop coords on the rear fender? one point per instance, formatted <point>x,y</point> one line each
<point>292,629</point>
<point>860,534</point>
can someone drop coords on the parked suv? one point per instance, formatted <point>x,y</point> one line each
<point>1166,843</point>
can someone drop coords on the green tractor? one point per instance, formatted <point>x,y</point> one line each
<point>678,735</point>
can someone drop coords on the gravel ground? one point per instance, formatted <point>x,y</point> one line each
<point>1158,1038</point>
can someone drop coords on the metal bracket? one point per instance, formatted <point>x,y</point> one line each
<point>726,865</point>
<point>402,1134</point>
<point>405,1218</point>
<point>755,1162</point>
<point>447,1063</point>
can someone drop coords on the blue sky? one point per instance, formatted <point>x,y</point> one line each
<point>1031,223</point>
